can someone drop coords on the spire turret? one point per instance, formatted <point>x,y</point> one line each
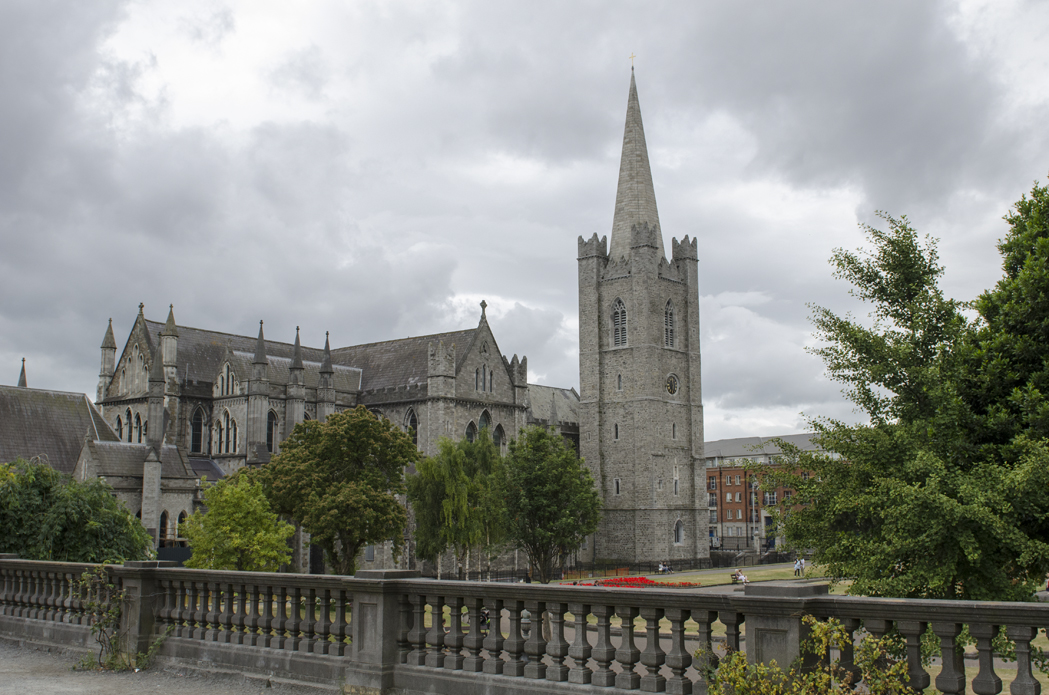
<point>636,220</point>
<point>326,367</point>
<point>296,353</point>
<point>109,341</point>
<point>21,377</point>
<point>260,349</point>
<point>169,325</point>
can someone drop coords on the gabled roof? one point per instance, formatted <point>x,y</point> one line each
<point>552,404</point>
<point>755,446</point>
<point>402,362</point>
<point>35,422</point>
<point>123,460</point>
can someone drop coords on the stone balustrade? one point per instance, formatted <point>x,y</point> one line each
<point>383,630</point>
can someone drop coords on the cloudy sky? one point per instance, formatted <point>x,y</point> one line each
<point>377,168</point>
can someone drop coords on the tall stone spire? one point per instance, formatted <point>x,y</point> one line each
<point>296,353</point>
<point>108,341</point>
<point>326,367</point>
<point>169,326</point>
<point>21,377</point>
<point>636,220</point>
<point>260,349</point>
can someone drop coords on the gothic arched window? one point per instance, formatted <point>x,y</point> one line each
<point>224,447</point>
<point>196,438</point>
<point>271,431</point>
<point>411,423</point>
<point>164,528</point>
<point>471,432</point>
<point>499,437</point>
<point>477,379</point>
<point>127,416</point>
<point>138,429</point>
<point>220,431</point>
<point>120,428</point>
<point>485,421</point>
<point>233,429</point>
<point>618,324</point>
<point>178,529</point>
<point>668,324</point>
<point>679,532</point>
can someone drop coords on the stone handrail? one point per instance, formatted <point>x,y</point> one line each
<point>389,629</point>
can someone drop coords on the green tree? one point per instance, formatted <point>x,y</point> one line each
<point>47,515</point>
<point>238,531</point>
<point>456,499</point>
<point>340,479</point>
<point>944,493</point>
<point>551,501</point>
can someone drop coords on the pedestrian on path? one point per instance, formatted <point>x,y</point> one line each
<point>797,568</point>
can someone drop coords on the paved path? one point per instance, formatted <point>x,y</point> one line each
<point>35,671</point>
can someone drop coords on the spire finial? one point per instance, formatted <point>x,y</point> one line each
<point>484,305</point>
<point>141,306</point>
<point>21,377</point>
<point>632,56</point>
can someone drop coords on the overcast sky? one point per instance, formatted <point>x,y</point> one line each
<point>377,168</point>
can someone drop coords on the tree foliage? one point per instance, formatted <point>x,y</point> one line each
<point>551,501</point>
<point>457,499</point>
<point>47,515</point>
<point>238,531</point>
<point>944,493</point>
<point>339,479</point>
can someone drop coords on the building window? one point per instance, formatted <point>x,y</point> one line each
<point>484,378</point>
<point>485,421</point>
<point>619,382</point>
<point>411,423</point>
<point>178,529</point>
<point>471,432</point>
<point>615,431</point>
<point>619,324</point>
<point>138,429</point>
<point>673,430</point>
<point>127,416</point>
<point>787,494</point>
<point>675,487</point>
<point>659,484</point>
<point>739,496</point>
<point>196,436</point>
<point>271,431</point>
<point>679,532</point>
<point>615,482</point>
<point>120,428</point>
<point>737,480</point>
<point>163,530</point>
<point>728,496</point>
<point>712,482</point>
<point>369,553</point>
<point>477,379</point>
<point>712,499</point>
<point>668,324</point>
<point>233,429</point>
<point>499,437</point>
<point>739,514</point>
<point>713,517</point>
<point>804,475</point>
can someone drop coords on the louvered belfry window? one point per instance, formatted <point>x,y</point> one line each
<point>618,324</point>
<point>668,325</point>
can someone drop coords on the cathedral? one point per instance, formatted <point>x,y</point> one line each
<point>224,401</point>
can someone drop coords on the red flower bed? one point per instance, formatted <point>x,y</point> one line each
<point>636,583</point>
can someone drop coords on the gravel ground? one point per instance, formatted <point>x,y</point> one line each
<point>30,670</point>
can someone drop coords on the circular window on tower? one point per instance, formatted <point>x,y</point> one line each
<point>672,384</point>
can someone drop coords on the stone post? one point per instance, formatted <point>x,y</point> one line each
<point>142,600</point>
<point>775,631</point>
<point>376,627</point>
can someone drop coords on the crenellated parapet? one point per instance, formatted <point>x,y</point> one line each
<point>685,249</point>
<point>594,246</point>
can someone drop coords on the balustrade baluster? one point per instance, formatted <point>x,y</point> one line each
<point>535,647</point>
<point>493,643</point>
<point>309,621</point>
<point>557,647</point>
<point>213,600</point>
<point>731,620</point>
<point>474,662</point>
<point>266,619</point>
<point>341,627</point>
<point>5,591</point>
<point>280,618</point>
<point>912,630</point>
<point>225,600</point>
<point>986,681</point>
<point>404,620</point>
<point>453,640</point>
<point>847,653</point>
<point>34,594</point>
<point>580,649</point>
<point>47,601</point>
<point>181,602</point>
<point>253,616</point>
<point>294,619</point>
<point>24,592</point>
<point>417,635</point>
<point>323,627</point>
<point>1024,683</point>
<point>200,607</point>
<point>163,615</point>
<point>628,654</point>
<point>67,597</point>
<point>55,596</point>
<point>653,657</point>
<point>435,637</point>
<point>678,658</point>
<point>514,643</point>
<point>240,614</point>
<point>603,652</point>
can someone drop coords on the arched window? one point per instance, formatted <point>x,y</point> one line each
<point>619,382</point>
<point>225,421</point>
<point>127,416</point>
<point>499,437</point>
<point>178,529</point>
<point>120,428</point>
<point>477,379</point>
<point>271,431</point>
<point>679,532</point>
<point>615,433</point>
<point>484,377</point>
<point>668,324</point>
<point>163,528</point>
<point>123,383</point>
<point>485,421</point>
<point>138,429</point>
<point>196,438</point>
<point>306,416</point>
<point>471,432</point>
<point>618,324</point>
<point>411,424</point>
<point>220,430</point>
<point>233,429</point>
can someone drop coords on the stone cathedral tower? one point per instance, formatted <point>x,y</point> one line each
<point>641,412</point>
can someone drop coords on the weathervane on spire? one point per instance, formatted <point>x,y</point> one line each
<point>632,56</point>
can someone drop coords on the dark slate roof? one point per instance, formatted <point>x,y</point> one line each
<point>123,460</point>
<point>36,422</point>
<point>200,353</point>
<point>755,446</point>
<point>206,467</point>
<point>552,404</point>
<point>402,362</point>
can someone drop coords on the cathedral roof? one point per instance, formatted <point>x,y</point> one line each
<point>37,422</point>
<point>552,405</point>
<point>402,362</point>
<point>124,460</point>
<point>755,446</point>
<point>636,196</point>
